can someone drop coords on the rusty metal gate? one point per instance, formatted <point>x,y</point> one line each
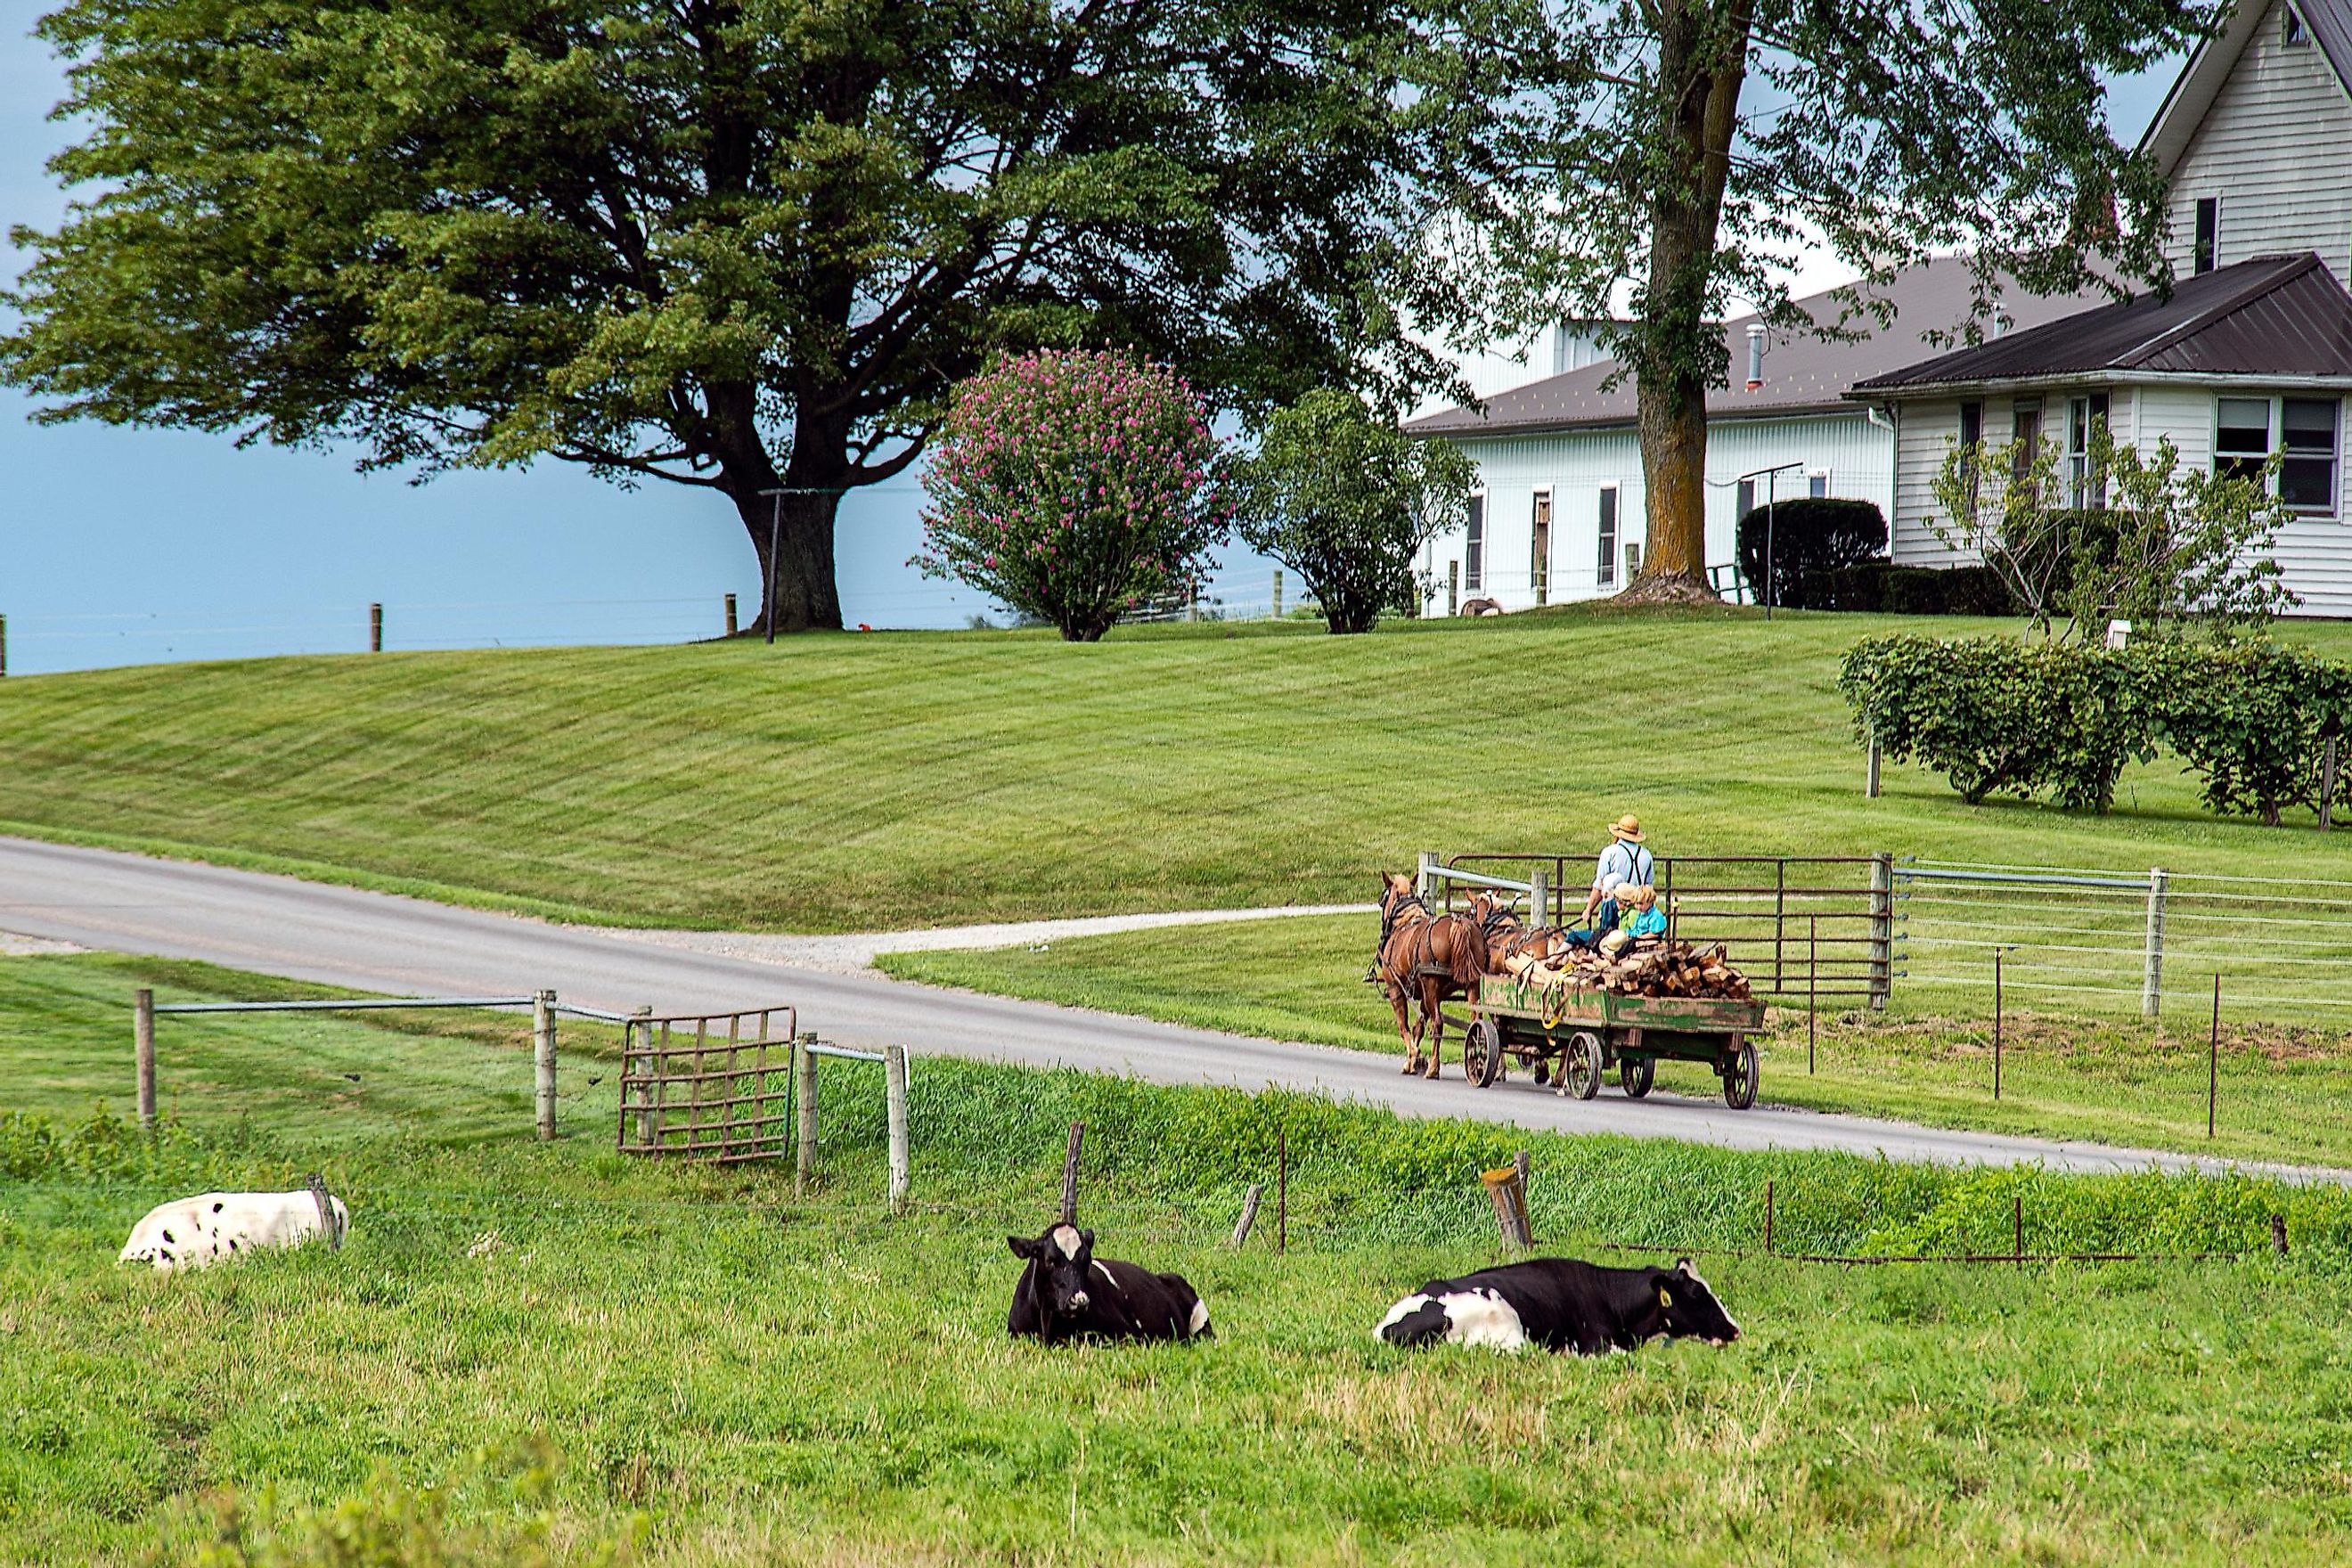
<point>722,1094</point>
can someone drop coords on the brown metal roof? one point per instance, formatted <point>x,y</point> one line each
<point>2276,315</point>
<point>1803,374</point>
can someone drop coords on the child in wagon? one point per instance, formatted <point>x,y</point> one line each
<point>1639,921</point>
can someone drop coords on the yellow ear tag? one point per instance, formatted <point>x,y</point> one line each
<point>1665,1296</point>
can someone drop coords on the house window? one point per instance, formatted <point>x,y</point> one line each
<point>1747,500</point>
<point>2087,485</point>
<point>2292,31</point>
<point>2024,438</point>
<point>2209,233</point>
<point>1608,535</point>
<point>1817,482</point>
<point>2309,432</point>
<point>1971,438</point>
<point>2242,436</point>
<point>1539,547</point>
<point>1473,547</point>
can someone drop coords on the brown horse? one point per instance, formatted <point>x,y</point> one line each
<point>1430,956</point>
<point>1508,936</point>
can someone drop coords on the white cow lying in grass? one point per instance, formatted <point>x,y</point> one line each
<point>188,1233</point>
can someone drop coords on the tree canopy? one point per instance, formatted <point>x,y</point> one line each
<point>744,245</point>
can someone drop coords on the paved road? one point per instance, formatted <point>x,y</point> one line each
<point>375,941</point>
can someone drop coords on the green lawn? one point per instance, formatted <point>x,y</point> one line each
<point>530,1347</point>
<point>850,782</point>
<point>2281,1095</point>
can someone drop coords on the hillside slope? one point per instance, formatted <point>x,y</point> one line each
<point>893,780</point>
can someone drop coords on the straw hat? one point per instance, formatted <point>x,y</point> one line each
<point>1615,942</point>
<point>1628,827</point>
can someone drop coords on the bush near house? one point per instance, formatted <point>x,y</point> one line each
<point>2252,720</point>
<point>1807,536</point>
<point>1880,587</point>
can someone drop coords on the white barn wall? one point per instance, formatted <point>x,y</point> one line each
<point>2276,148</point>
<point>1858,455</point>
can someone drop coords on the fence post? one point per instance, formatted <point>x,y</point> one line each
<point>1996,1024</point>
<point>804,1114</point>
<point>1281,1191</point>
<point>1249,1215</point>
<point>1454,587</point>
<point>1070,1174</point>
<point>4,671</point>
<point>1870,769</point>
<point>1779,914</point>
<point>1507,1191</point>
<point>2017,1220</point>
<point>2151,985</point>
<point>2278,1234</point>
<point>1277,593</point>
<point>375,629</point>
<point>542,1060</point>
<point>2213,1059</point>
<point>646,1119</point>
<point>1424,881</point>
<point>1538,901</point>
<point>894,1089</point>
<point>143,1032</point>
<point>2326,755</point>
<point>1768,1217</point>
<point>731,615</point>
<point>1191,598</point>
<point>1882,928</point>
<point>1812,986</point>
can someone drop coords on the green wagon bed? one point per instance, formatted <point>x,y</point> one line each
<point>1572,1035</point>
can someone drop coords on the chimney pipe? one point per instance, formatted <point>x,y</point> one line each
<point>1754,355</point>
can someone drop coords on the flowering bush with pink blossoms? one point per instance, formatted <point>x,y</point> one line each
<point>1072,486</point>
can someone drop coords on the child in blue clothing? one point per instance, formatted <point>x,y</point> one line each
<point>1639,920</point>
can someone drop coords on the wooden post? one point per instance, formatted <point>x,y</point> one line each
<point>1870,769</point>
<point>142,1033</point>
<point>731,615</point>
<point>2151,985</point>
<point>2017,1222</point>
<point>894,1089</point>
<point>1509,1196</point>
<point>2213,1059</point>
<point>1424,881</point>
<point>1249,1213</point>
<point>805,1114</point>
<point>3,670</point>
<point>1812,986</point>
<point>542,1060</point>
<point>1768,1217</point>
<point>1454,587</point>
<point>1882,930</point>
<point>1996,1023</point>
<point>2326,753</point>
<point>1277,593</point>
<point>1070,1174</point>
<point>375,629</point>
<point>1538,901</point>
<point>2278,1234</point>
<point>1281,1191</point>
<point>1191,598</point>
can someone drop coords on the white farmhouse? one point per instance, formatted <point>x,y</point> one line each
<point>2251,353</point>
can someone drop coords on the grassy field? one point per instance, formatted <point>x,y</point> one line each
<point>530,1350</point>
<point>894,780</point>
<point>2282,1089</point>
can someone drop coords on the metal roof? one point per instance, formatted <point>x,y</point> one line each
<point>1803,374</point>
<point>2272,316</point>
<point>2329,23</point>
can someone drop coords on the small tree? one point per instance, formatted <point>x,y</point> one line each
<point>1346,501</point>
<point>1072,486</point>
<point>2140,537</point>
<point>1793,539</point>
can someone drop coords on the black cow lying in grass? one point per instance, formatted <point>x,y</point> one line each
<point>1562,1305</point>
<point>1068,1293</point>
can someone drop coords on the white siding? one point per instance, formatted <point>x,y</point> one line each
<point>1575,465</point>
<point>2276,148</point>
<point>2314,554</point>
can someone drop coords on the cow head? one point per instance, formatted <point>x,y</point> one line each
<point>1063,1262</point>
<point>1689,1308</point>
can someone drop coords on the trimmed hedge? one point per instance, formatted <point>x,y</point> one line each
<point>1998,716</point>
<point>1808,535</point>
<point>1880,587</point>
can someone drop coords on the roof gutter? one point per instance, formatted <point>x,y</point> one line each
<point>2113,375</point>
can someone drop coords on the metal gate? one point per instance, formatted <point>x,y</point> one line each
<point>723,1095</point>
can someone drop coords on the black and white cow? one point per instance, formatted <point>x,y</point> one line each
<point>1561,1304</point>
<point>190,1233</point>
<point>1068,1293</point>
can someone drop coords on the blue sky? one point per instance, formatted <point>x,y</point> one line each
<point>122,546</point>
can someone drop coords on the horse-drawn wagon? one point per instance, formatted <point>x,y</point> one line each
<point>1572,1035</point>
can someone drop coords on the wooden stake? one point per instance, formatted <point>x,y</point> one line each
<point>542,1060</point>
<point>1508,1194</point>
<point>2278,1234</point>
<point>805,1114</point>
<point>375,629</point>
<point>1070,1175</point>
<point>2213,1059</point>
<point>143,1032</point>
<point>1281,1191</point>
<point>2327,758</point>
<point>731,615</point>
<point>894,1088</point>
<point>1249,1213</point>
<point>1996,1023</point>
<point>2017,1220</point>
<point>1768,1217</point>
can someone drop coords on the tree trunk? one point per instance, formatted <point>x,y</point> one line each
<point>1702,63</point>
<point>805,597</point>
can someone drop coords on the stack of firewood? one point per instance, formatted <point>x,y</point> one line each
<point>1658,969</point>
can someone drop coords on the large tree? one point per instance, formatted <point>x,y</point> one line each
<point>745,245</point>
<point>1698,145</point>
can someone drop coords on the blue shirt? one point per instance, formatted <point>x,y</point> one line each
<point>1651,922</point>
<point>1623,862</point>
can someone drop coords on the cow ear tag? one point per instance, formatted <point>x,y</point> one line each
<point>1665,1296</point>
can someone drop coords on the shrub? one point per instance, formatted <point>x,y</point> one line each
<point>1807,534</point>
<point>1881,585</point>
<point>2252,720</point>
<point>1346,501</point>
<point>1072,486</point>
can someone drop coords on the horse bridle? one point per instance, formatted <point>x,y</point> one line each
<point>1390,913</point>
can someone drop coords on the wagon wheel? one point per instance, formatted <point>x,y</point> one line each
<point>1482,1052</point>
<point>1739,1078</point>
<point>1580,1065</point>
<point>1635,1074</point>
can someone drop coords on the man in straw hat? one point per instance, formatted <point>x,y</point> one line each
<point>1624,864</point>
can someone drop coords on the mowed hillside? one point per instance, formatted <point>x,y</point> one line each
<point>838,782</point>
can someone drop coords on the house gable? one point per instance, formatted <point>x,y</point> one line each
<point>2263,128</point>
